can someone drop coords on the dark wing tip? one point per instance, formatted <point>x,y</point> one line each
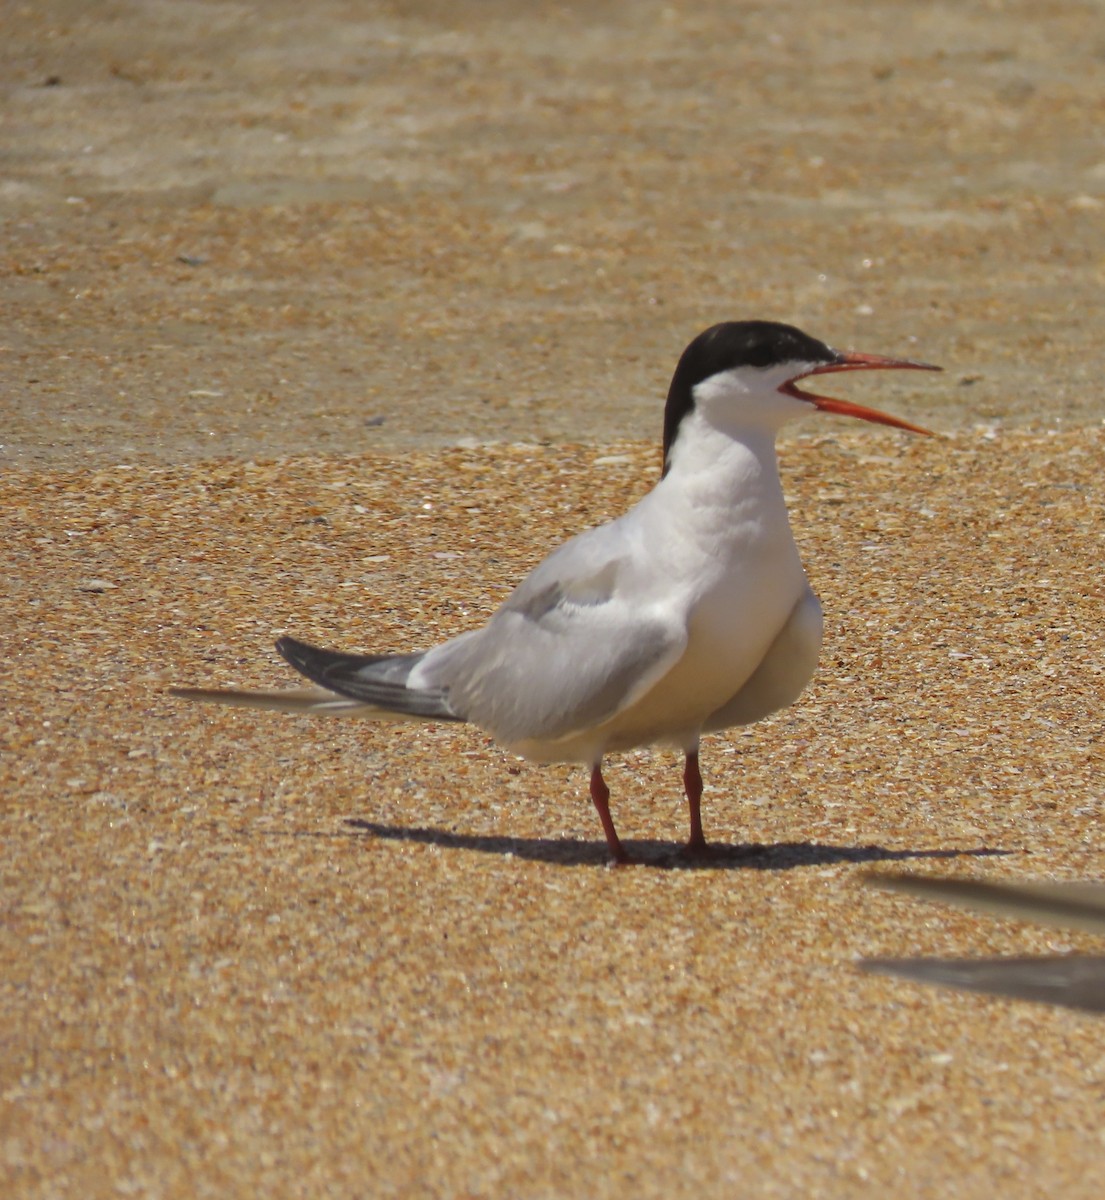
<point>325,667</point>
<point>298,654</point>
<point>377,679</point>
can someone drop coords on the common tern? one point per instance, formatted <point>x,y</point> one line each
<point>690,613</point>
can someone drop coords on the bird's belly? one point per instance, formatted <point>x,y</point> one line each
<point>673,710</point>
<point>731,625</point>
<point>729,633</point>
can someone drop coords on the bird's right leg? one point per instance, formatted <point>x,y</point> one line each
<point>600,797</point>
<point>692,785</point>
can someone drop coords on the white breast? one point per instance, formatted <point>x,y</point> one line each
<point>715,553</point>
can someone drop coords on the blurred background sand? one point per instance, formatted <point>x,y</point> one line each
<point>236,229</point>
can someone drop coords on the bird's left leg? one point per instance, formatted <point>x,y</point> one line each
<point>692,785</point>
<point>600,797</point>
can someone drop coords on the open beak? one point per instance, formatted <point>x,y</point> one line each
<point>851,361</point>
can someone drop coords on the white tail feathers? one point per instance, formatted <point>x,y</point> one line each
<point>314,700</point>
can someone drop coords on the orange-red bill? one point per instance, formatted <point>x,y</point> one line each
<point>851,361</point>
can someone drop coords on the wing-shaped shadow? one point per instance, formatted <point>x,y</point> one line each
<point>723,856</point>
<point>1073,981</point>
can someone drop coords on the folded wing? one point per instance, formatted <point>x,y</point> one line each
<point>565,653</point>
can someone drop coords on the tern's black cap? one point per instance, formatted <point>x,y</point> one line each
<point>730,345</point>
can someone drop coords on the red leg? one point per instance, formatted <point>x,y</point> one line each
<point>692,785</point>
<point>600,796</point>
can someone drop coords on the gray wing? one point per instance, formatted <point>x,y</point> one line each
<point>1073,981</point>
<point>1065,905</point>
<point>380,680</point>
<point>356,685</point>
<point>568,650</point>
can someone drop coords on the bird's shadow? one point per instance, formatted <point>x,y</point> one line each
<point>718,856</point>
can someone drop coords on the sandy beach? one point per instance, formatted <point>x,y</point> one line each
<point>334,321</point>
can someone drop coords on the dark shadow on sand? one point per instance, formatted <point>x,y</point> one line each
<point>719,856</point>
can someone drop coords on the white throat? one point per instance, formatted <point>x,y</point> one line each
<point>747,399</point>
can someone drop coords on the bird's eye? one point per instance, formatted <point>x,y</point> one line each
<point>760,356</point>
